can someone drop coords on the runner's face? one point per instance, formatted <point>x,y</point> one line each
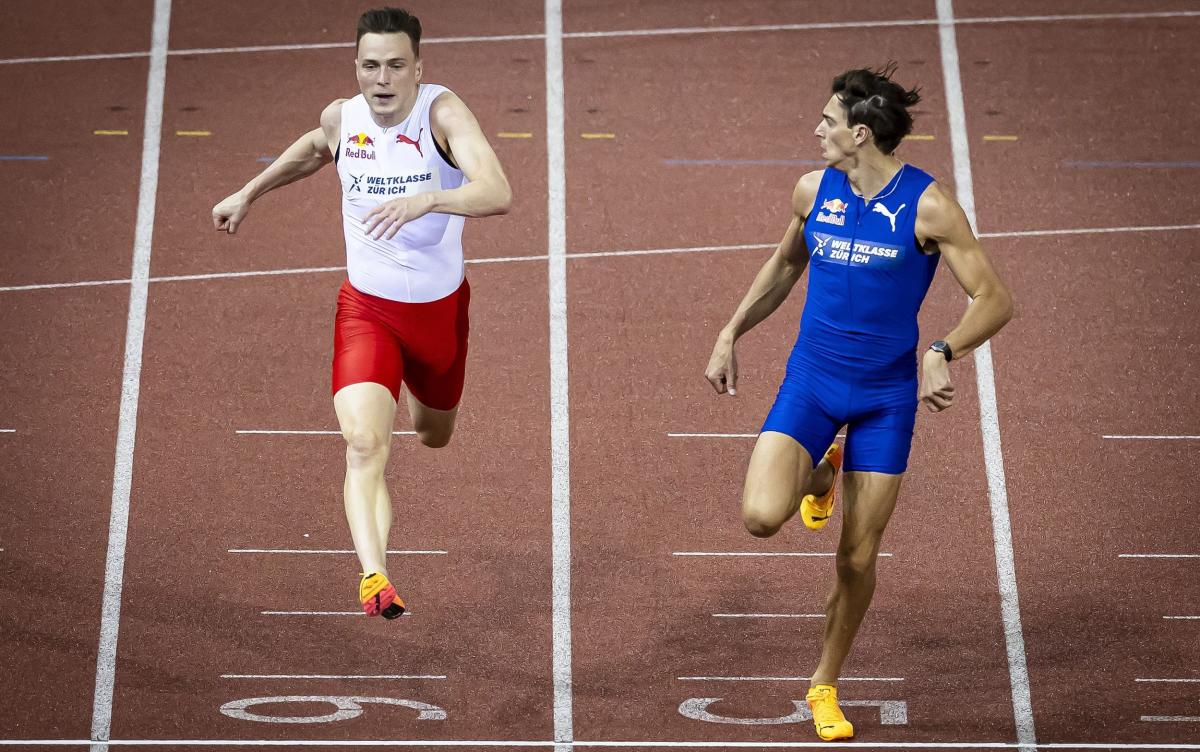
<point>837,137</point>
<point>388,73</point>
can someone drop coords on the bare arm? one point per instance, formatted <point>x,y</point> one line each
<point>308,154</point>
<point>486,191</point>
<point>941,220</point>
<point>770,288</point>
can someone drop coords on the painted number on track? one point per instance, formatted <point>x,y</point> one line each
<point>346,708</point>
<point>891,712</point>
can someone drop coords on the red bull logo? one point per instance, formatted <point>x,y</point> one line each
<point>835,205</point>
<point>361,141</point>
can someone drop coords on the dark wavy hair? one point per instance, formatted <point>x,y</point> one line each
<point>391,21</point>
<point>873,99</point>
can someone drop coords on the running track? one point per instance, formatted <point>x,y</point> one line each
<point>1042,581</point>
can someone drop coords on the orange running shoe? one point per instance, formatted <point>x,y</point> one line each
<point>816,512</point>
<point>831,723</point>
<point>378,597</point>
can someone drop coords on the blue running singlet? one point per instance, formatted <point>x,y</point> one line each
<point>855,362</point>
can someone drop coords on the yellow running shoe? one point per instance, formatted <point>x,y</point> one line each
<point>816,512</point>
<point>378,597</point>
<point>827,716</point>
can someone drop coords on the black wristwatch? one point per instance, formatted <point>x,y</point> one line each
<point>939,345</point>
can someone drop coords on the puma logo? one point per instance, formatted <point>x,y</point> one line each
<point>880,208</point>
<point>403,139</point>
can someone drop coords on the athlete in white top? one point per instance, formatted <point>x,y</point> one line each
<point>413,163</point>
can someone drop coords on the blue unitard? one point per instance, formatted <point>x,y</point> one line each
<point>855,363</point>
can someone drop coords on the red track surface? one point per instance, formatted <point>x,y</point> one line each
<point>1106,342</point>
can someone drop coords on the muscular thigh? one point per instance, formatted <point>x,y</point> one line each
<point>435,351</point>
<point>879,432</point>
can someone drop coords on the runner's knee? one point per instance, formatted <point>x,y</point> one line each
<point>365,447</point>
<point>857,562</point>
<point>435,438</point>
<point>759,521</point>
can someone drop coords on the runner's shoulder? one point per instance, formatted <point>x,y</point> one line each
<point>804,196</point>
<point>331,116</point>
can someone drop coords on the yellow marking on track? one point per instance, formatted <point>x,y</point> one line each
<point>508,134</point>
<point>198,134</point>
<point>598,135</point>
<point>110,133</point>
<point>999,138</point>
<point>918,137</point>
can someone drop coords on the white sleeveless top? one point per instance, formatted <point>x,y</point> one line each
<point>424,261</point>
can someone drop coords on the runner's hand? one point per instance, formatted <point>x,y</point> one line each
<point>936,390</point>
<point>722,367</point>
<point>385,220</point>
<point>228,214</point>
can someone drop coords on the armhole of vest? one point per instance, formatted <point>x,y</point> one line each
<point>917,202</point>
<point>436,146</point>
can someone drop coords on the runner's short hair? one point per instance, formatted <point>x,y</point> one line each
<point>391,21</point>
<point>873,99</point>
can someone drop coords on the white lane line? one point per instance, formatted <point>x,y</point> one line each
<point>769,616</point>
<point>135,327</point>
<point>560,432</point>
<point>989,418</point>
<point>263,431</point>
<point>1152,438</point>
<point>713,435</point>
<point>320,613</point>
<point>917,22</point>
<point>1189,618</point>
<point>1172,718</point>
<point>756,553</point>
<point>333,676</point>
<point>596,744</point>
<point>1087,231</point>
<point>1171,681</point>
<point>570,256</point>
<point>8,430</point>
<point>789,678</point>
<point>1158,556</point>
<point>325,551</point>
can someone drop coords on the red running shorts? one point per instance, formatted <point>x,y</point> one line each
<point>423,345</point>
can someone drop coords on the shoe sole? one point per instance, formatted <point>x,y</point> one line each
<point>384,602</point>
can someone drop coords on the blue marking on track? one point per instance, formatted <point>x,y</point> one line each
<point>267,159</point>
<point>741,162</point>
<point>1138,165</point>
<point>23,158</point>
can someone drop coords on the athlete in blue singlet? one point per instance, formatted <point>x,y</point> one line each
<point>871,230</point>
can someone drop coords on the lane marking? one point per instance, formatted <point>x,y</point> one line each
<point>629,33</point>
<point>196,134</point>
<point>110,133</point>
<point>560,431</point>
<point>1189,618</point>
<point>332,676</point>
<point>989,416</point>
<point>135,328</point>
<point>326,551</point>
<point>1137,165</point>
<point>1152,438</point>
<point>789,678</point>
<point>1088,231</point>
<point>597,744</point>
<point>769,616</point>
<point>742,162</point>
<point>1000,138</point>
<point>1158,556</point>
<point>598,135</point>
<point>509,134</point>
<point>713,435</point>
<point>23,158</point>
<point>8,430</point>
<point>1172,718</point>
<point>1189,681</point>
<point>273,432</point>
<point>571,256</point>
<point>759,553</point>
<point>918,137</point>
